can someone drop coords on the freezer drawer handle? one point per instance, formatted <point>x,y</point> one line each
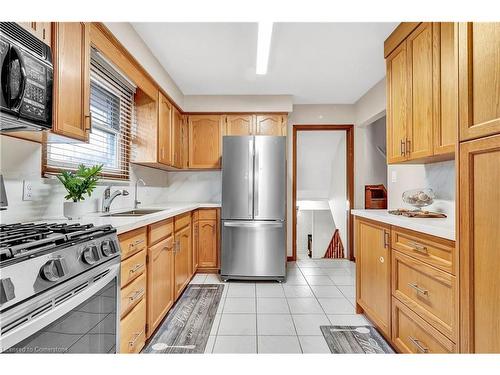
<point>253,225</point>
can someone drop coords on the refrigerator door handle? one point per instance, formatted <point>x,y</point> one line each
<point>256,179</point>
<point>237,224</point>
<point>250,177</point>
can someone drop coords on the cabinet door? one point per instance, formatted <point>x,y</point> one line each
<point>184,143</point>
<point>204,141</point>
<point>196,232</point>
<point>419,137</point>
<point>160,281</point>
<point>479,239</point>
<point>207,244</point>
<point>269,125</point>
<point>373,286</point>
<point>445,62</point>
<point>42,30</point>
<point>177,149</point>
<point>165,117</point>
<point>479,79</point>
<point>182,267</point>
<point>239,125</point>
<point>397,104</point>
<point>71,79</point>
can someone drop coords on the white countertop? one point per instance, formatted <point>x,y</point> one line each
<point>444,227</point>
<point>125,224</point>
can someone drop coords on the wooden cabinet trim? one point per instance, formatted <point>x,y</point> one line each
<point>398,36</point>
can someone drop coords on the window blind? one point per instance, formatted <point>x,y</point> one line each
<point>112,113</point>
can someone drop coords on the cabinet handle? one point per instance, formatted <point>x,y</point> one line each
<point>88,121</point>
<point>402,148</point>
<point>418,247</point>
<point>421,348</point>
<point>136,268</point>
<point>418,289</point>
<point>408,146</point>
<point>136,295</point>
<point>386,239</point>
<point>132,342</point>
<point>381,259</point>
<point>134,244</point>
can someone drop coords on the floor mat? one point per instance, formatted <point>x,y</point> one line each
<point>187,326</point>
<point>355,339</point>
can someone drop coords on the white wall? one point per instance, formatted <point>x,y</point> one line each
<point>323,228</point>
<point>238,103</point>
<point>376,136</point>
<point>337,196</point>
<point>304,227</point>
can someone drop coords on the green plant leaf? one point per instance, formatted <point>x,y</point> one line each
<point>82,181</point>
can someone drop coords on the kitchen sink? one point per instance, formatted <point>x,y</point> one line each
<point>138,212</point>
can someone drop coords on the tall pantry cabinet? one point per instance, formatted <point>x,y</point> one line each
<point>479,186</point>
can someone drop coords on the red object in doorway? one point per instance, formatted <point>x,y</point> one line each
<point>375,197</point>
<point>335,248</point>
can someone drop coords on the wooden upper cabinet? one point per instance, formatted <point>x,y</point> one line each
<point>165,117</point>
<point>479,197</point>
<point>420,69</point>
<point>397,103</point>
<point>479,79</point>
<point>204,141</point>
<point>270,124</point>
<point>71,50</point>
<point>160,281</point>
<point>373,272</point>
<point>177,139</point>
<point>445,62</point>
<point>239,125</point>
<point>42,30</point>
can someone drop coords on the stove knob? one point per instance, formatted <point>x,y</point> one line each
<point>108,248</point>
<point>90,255</point>
<point>53,270</point>
<point>6,290</point>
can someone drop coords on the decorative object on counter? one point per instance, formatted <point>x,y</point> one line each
<point>77,184</point>
<point>419,197</point>
<point>417,213</point>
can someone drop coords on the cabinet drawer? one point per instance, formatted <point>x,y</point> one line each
<point>207,214</point>
<point>132,242</point>
<point>132,294</point>
<point>182,220</point>
<point>160,230</point>
<point>133,329</point>
<point>411,334</point>
<point>435,251</point>
<point>133,267</point>
<point>430,292</point>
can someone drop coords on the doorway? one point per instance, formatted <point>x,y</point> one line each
<point>311,200</point>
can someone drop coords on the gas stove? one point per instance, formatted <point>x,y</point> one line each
<point>47,268</point>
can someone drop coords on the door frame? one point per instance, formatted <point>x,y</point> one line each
<point>349,130</point>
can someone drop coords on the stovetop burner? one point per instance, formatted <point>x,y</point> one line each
<point>22,238</point>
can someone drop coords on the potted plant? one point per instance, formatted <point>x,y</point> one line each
<point>82,181</point>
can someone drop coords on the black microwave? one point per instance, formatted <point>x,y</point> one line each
<point>26,80</point>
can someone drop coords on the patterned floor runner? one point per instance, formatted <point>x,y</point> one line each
<point>355,339</point>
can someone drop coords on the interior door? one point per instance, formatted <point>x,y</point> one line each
<point>237,177</point>
<point>269,178</point>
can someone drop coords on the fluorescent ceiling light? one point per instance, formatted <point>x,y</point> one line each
<point>263,46</point>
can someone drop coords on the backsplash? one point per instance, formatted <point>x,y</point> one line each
<point>21,160</point>
<point>438,176</point>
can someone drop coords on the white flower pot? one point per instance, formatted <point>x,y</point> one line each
<point>73,210</point>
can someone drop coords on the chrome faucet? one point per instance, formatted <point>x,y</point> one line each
<point>137,202</point>
<point>108,198</point>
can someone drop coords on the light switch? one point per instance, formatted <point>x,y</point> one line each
<point>27,191</point>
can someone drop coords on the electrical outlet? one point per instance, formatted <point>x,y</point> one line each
<point>394,176</point>
<point>27,191</point>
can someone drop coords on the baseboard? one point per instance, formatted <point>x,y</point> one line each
<point>290,258</point>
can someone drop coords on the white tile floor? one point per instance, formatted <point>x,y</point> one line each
<point>268,317</point>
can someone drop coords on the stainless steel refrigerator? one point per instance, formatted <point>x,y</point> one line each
<point>253,207</point>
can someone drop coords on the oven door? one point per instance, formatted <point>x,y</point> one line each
<point>80,316</point>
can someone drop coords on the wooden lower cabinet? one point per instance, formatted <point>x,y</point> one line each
<point>412,334</point>
<point>479,231</point>
<point>160,281</point>
<point>182,259</point>
<point>206,239</point>
<point>373,272</point>
<point>133,329</point>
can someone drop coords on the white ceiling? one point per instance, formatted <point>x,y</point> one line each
<point>317,63</point>
<point>316,152</point>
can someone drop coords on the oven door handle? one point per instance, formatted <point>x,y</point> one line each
<point>34,325</point>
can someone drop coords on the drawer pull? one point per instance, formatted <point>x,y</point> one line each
<point>136,268</point>
<point>168,248</point>
<point>418,345</point>
<point>418,247</point>
<point>418,289</point>
<point>132,342</point>
<point>136,295</point>
<point>134,244</point>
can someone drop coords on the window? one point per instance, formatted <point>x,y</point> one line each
<point>112,119</point>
